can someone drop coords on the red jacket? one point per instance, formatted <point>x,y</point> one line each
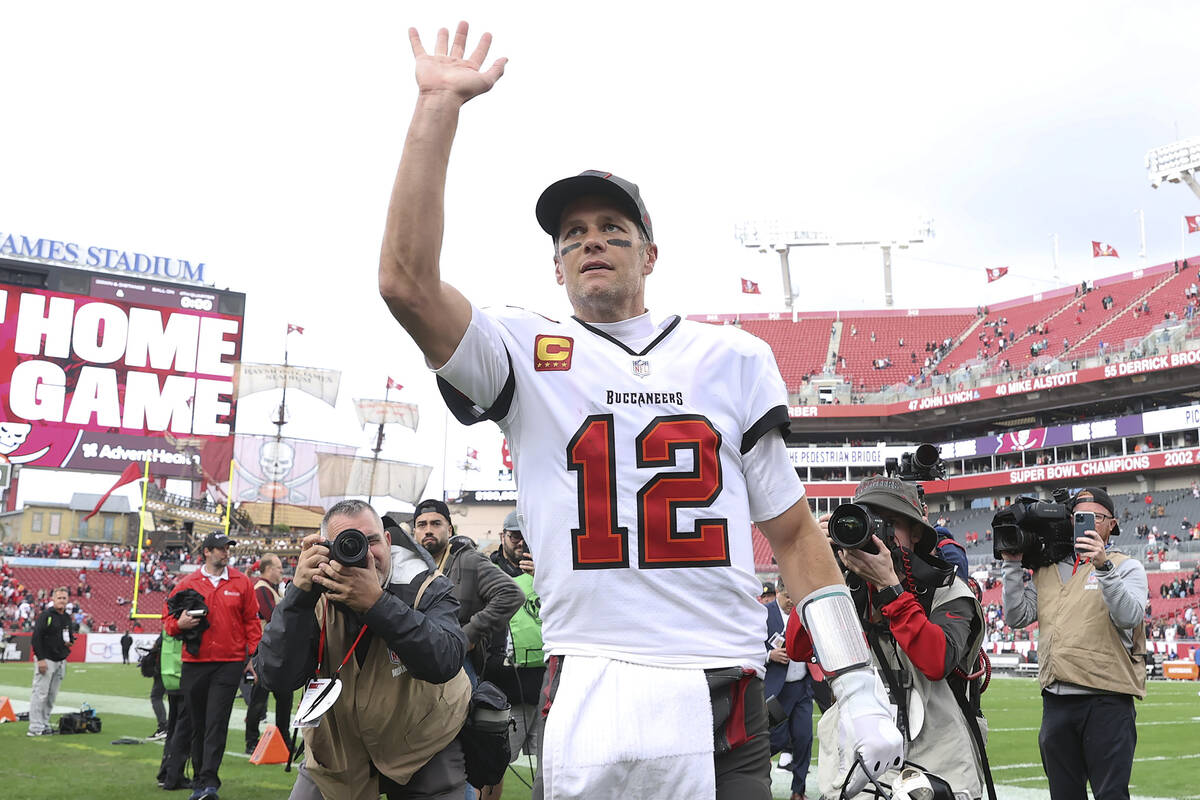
<point>233,627</point>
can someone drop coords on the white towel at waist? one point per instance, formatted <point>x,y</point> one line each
<point>619,730</point>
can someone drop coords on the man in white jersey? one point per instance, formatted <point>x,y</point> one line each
<point>643,451</point>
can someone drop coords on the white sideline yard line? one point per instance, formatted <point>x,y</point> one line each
<point>67,702</point>
<point>1140,725</point>
<point>1038,764</point>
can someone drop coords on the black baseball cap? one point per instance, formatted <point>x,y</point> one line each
<point>432,504</point>
<point>557,195</point>
<point>1100,497</point>
<point>216,540</point>
<point>901,498</point>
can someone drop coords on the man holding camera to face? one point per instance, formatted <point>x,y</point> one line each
<point>369,614</point>
<point>924,627</point>
<point>1090,604</point>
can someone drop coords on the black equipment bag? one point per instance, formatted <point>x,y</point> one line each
<point>484,737</point>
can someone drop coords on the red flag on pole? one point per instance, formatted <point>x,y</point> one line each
<point>1100,249</point>
<point>131,474</point>
<point>393,385</point>
<point>295,328</point>
<point>750,287</point>
<point>996,273</point>
<point>1193,223</point>
<point>472,453</point>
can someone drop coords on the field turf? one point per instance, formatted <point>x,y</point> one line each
<point>88,766</point>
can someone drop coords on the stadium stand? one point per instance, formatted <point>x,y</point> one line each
<point>801,348</point>
<point>102,607</point>
<point>804,347</point>
<point>862,355</point>
<point>1133,324</point>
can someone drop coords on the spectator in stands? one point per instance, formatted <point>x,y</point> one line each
<point>268,591</point>
<point>791,685</point>
<point>53,635</point>
<point>393,728</point>
<point>211,673</point>
<point>1093,650</point>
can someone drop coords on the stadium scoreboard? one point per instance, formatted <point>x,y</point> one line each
<point>101,369</point>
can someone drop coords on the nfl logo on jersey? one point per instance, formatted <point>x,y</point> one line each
<point>641,367</point>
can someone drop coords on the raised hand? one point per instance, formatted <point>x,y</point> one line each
<point>446,71</point>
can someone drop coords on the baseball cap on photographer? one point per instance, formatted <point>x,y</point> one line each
<point>215,539</point>
<point>558,194</point>
<point>1094,494</point>
<point>899,497</point>
<point>513,522</point>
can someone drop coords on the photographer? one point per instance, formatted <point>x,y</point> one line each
<point>1090,605</point>
<point>924,627</point>
<point>389,619</point>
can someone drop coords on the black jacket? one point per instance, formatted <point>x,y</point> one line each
<point>487,597</point>
<point>189,600</point>
<point>48,639</point>
<point>428,639</point>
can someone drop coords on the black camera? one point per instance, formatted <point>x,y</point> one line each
<point>851,526</point>
<point>1042,532</point>
<point>350,548</point>
<point>923,464</point>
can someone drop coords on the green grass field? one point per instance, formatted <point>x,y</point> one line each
<point>88,766</point>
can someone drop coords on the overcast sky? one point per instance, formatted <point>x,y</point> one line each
<point>262,138</point>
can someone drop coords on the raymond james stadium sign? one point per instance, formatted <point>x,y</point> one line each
<point>14,244</point>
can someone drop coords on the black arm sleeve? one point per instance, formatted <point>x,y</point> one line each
<point>287,654</point>
<point>428,640</point>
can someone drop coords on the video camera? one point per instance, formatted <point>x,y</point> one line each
<point>852,525</point>
<point>1041,531</point>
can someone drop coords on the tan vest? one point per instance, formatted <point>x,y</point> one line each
<point>945,745</point>
<point>384,717</point>
<point>267,584</point>
<point>1077,641</point>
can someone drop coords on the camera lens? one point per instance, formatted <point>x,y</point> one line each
<point>852,526</point>
<point>926,457</point>
<point>350,548</point>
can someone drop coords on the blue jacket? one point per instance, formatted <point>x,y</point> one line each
<point>773,685</point>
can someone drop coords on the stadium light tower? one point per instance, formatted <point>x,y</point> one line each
<point>1175,163</point>
<point>768,236</point>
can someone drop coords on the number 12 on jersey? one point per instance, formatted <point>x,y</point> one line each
<point>599,543</point>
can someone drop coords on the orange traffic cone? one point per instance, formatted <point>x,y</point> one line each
<point>272,748</point>
<point>6,712</point>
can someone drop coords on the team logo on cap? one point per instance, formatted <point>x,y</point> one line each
<point>552,353</point>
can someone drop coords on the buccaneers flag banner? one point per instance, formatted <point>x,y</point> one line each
<point>996,273</point>
<point>1100,249</point>
<point>750,287</point>
<point>1193,223</point>
<point>295,328</point>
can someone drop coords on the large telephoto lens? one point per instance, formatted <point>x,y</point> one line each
<point>925,457</point>
<point>851,527</point>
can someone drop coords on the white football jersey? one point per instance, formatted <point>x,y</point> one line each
<point>630,468</point>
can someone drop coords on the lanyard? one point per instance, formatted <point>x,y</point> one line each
<point>321,645</point>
